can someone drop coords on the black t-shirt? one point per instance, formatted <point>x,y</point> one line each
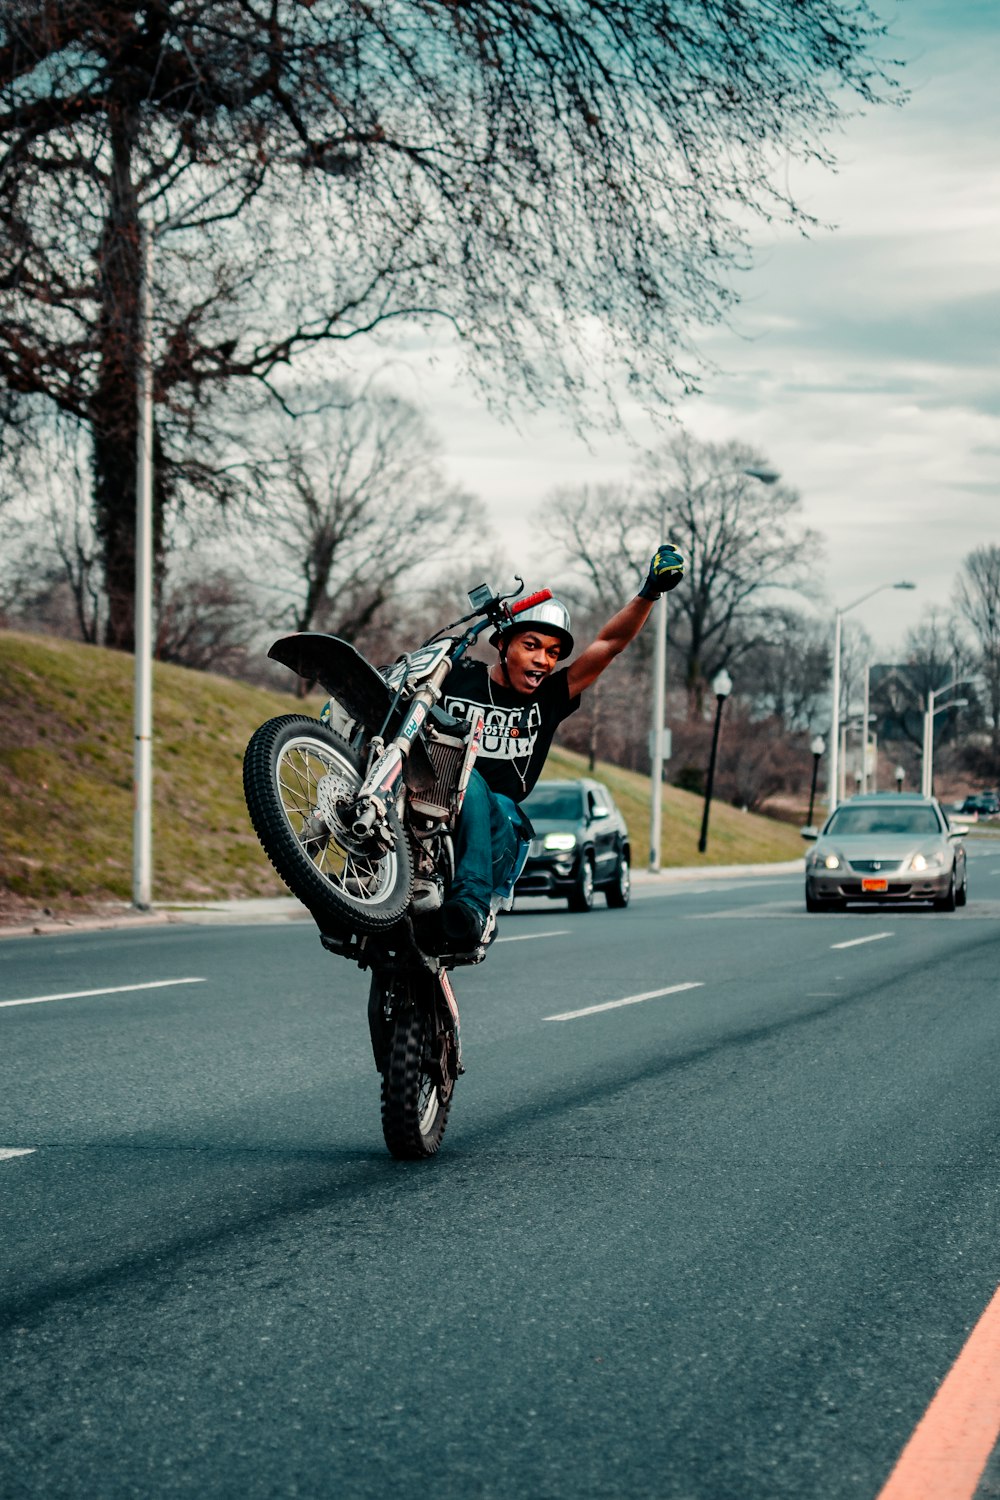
<point>517,728</point>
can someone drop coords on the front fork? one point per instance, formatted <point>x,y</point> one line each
<point>441,1008</point>
<point>380,790</point>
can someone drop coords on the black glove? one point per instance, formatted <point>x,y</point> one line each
<point>665,572</point>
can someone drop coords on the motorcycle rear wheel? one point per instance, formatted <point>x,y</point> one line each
<point>285,762</point>
<point>414,1108</point>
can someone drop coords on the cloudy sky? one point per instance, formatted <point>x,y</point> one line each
<point>863,362</point>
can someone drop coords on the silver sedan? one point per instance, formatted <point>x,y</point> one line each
<point>886,847</point>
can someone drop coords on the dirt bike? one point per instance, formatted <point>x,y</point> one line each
<point>356,812</point>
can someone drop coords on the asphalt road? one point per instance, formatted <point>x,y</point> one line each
<point>724,1242</point>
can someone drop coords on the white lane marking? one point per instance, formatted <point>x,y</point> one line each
<point>121,989</point>
<point>874,937</point>
<point>6,1152</point>
<point>525,937</point>
<point>591,1010</point>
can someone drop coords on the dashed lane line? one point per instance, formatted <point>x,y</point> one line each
<point>592,1010</point>
<point>525,937</point>
<point>8,1152</point>
<point>120,989</point>
<point>873,937</point>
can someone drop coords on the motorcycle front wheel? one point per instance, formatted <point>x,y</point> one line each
<point>295,772</point>
<point>414,1106</point>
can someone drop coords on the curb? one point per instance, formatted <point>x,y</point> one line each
<point>257,910</point>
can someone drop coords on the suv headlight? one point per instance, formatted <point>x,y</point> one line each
<point>563,841</point>
<point>932,861</point>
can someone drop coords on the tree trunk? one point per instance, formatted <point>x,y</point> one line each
<point>114,404</point>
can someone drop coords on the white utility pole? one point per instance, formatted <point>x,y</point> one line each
<point>864,731</point>
<point>659,711</point>
<point>834,793</point>
<point>142,825</point>
<point>927,763</point>
<point>658,731</point>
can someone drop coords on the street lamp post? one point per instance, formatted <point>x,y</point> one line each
<point>722,686</point>
<point>659,712</point>
<point>817,747</point>
<point>864,730</point>
<point>142,711</point>
<point>834,790</point>
<point>927,763</point>
<point>765,476</point>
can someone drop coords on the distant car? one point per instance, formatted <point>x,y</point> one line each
<point>580,845</point>
<point>881,847</point>
<point>981,804</point>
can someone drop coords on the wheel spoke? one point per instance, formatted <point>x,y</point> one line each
<point>300,770</point>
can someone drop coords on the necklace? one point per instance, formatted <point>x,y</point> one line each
<point>521,776</point>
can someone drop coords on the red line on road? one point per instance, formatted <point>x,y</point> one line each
<point>951,1446</point>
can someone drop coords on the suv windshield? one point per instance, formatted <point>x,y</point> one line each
<point>884,819</point>
<point>555,802</point>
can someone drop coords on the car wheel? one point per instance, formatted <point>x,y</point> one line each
<point>618,892</point>
<point>962,894</point>
<point>949,901</point>
<point>582,895</point>
<point>811,903</point>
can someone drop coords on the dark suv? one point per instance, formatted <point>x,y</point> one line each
<point>983,804</point>
<point>580,845</point>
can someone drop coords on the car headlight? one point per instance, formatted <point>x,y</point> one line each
<point>817,860</point>
<point>563,841</point>
<point>932,861</point>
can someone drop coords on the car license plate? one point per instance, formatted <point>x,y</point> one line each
<point>873,883</point>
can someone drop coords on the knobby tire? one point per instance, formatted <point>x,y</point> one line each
<point>340,887</point>
<point>414,1116</point>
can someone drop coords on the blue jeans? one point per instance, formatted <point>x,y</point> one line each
<point>486,846</point>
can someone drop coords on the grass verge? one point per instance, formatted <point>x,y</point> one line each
<point>66,743</point>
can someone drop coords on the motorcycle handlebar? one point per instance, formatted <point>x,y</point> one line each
<point>531,601</point>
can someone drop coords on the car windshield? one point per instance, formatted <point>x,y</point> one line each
<point>884,819</point>
<point>555,802</point>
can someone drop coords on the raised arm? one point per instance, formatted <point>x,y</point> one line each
<point>665,572</point>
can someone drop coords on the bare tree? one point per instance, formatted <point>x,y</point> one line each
<point>204,622</point>
<point>51,556</point>
<point>356,503</point>
<point>786,673</point>
<point>743,540</point>
<point>934,654</point>
<point>313,170</point>
<point>978,603</point>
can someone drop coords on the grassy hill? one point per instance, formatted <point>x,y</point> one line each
<point>66,785</point>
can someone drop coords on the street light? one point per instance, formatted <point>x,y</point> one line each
<point>817,747</point>
<point>763,476</point>
<point>927,763</point>
<point>722,686</point>
<point>833,789</point>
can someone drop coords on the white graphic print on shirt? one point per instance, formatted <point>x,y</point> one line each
<point>508,733</point>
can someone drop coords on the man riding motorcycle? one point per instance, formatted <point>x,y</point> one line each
<point>523,696</point>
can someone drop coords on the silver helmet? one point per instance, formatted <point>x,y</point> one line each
<point>550,618</point>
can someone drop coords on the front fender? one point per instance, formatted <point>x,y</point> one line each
<point>341,670</point>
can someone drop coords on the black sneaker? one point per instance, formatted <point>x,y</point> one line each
<point>462,926</point>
